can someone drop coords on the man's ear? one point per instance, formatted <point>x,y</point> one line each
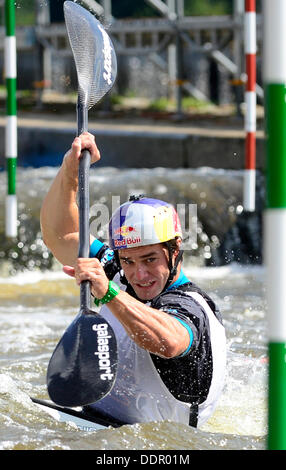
<point>178,247</point>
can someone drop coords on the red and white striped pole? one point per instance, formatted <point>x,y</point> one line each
<point>250,100</point>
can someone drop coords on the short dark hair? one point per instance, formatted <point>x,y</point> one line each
<point>172,245</point>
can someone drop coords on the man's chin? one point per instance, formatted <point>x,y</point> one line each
<point>146,293</point>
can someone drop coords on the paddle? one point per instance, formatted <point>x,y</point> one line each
<point>82,371</point>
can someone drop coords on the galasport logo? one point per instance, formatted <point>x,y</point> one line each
<point>103,350</point>
<point>107,56</point>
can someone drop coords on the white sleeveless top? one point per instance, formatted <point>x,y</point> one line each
<point>139,394</point>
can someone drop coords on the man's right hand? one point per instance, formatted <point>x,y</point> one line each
<point>71,158</point>
<point>89,269</point>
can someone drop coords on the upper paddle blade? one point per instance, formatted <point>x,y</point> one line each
<point>93,52</point>
<point>83,366</point>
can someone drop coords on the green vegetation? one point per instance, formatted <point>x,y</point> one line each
<point>25,12</point>
<point>26,9</point>
<point>160,104</point>
<point>129,8</point>
<point>188,103</point>
<point>208,7</point>
<point>116,99</point>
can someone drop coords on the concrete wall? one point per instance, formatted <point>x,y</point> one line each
<point>125,148</point>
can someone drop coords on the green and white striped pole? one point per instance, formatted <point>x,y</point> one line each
<point>11,147</point>
<point>275,214</point>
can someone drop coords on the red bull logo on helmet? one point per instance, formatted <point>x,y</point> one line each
<point>127,242</point>
<point>129,234</point>
<point>124,231</point>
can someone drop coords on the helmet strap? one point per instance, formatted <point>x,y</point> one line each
<point>173,267</point>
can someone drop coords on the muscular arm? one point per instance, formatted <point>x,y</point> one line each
<point>59,213</point>
<point>151,329</point>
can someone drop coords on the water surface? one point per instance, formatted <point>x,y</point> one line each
<point>37,306</point>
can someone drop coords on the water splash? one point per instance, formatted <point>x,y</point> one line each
<point>223,234</point>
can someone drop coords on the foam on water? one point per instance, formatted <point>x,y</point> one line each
<point>31,277</point>
<point>37,306</point>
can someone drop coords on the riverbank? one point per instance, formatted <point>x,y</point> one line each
<point>136,138</point>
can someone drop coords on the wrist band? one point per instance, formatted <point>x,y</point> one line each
<point>113,291</point>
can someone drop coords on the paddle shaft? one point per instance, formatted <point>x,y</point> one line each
<point>83,193</point>
<point>77,374</point>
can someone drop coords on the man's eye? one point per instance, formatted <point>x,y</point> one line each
<point>150,260</point>
<point>125,261</point>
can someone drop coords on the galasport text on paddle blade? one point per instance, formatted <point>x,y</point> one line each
<point>86,361</point>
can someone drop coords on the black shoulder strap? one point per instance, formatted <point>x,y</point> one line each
<point>194,414</point>
<point>191,287</point>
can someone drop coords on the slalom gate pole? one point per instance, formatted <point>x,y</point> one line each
<point>250,99</point>
<point>275,215</point>
<point>11,119</point>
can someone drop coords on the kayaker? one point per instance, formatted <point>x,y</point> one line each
<point>170,335</point>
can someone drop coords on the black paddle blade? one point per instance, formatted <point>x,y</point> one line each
<point>83,366</point>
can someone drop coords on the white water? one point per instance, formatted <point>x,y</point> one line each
<point>35,309</point>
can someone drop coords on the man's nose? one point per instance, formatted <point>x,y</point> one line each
<point>140,272</point>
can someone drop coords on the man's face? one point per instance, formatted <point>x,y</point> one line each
<point>146,269</point>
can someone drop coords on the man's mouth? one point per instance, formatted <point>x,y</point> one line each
<point>145,284</point>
